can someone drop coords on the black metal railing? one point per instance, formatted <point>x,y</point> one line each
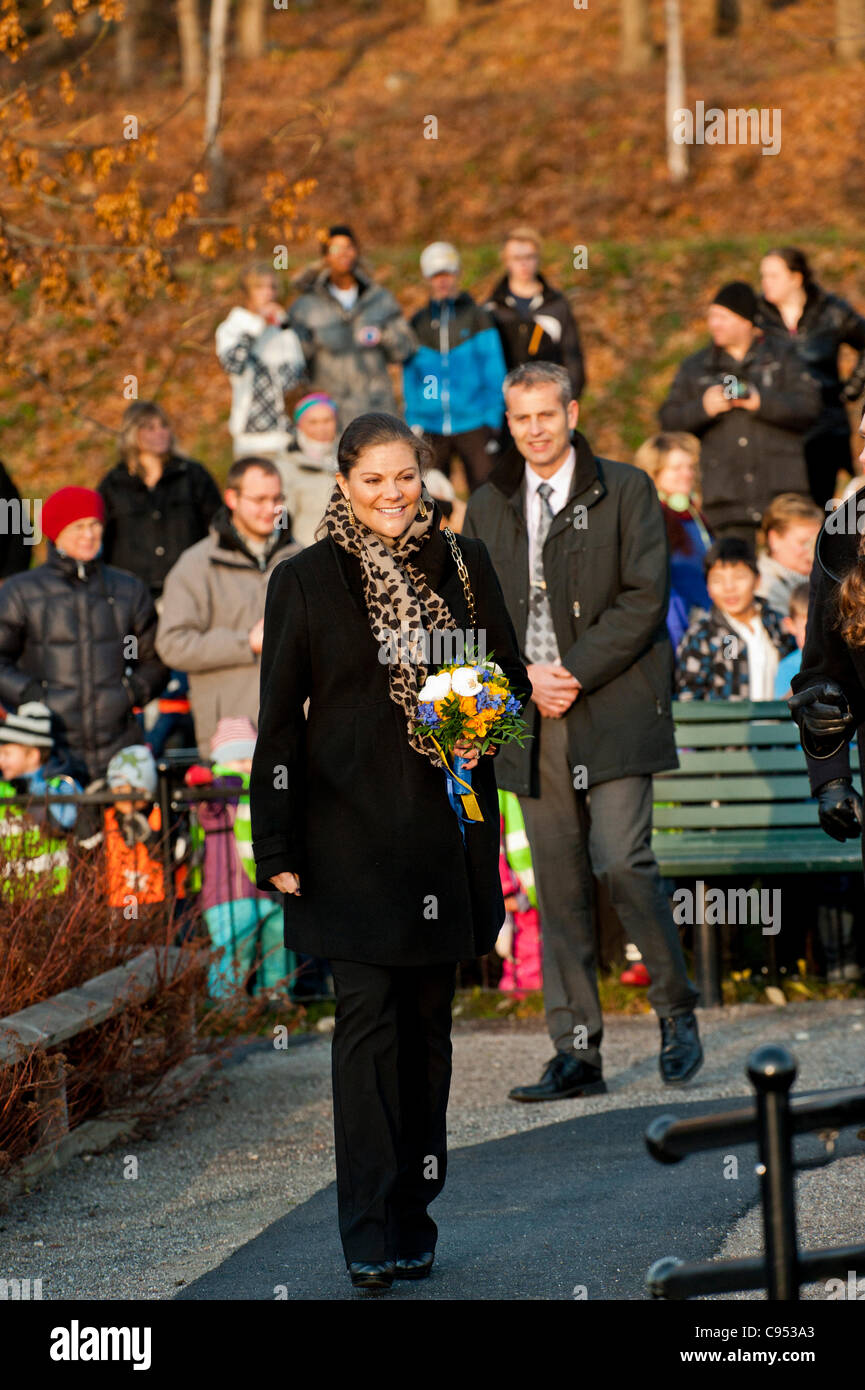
<point>771,1122</point>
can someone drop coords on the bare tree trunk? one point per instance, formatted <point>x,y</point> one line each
<point>250,28</point>
<point>440,11</point>
<point>849,30</point>
<point>677,155</point>
<point>189,34</point>
<point>636,42</point>
<point>127,44</point>
<point>217,175</point>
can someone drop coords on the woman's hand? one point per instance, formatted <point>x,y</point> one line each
<point>470,753</point>
<point>287,883</point>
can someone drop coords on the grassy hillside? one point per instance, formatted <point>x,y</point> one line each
<point>534,123</point>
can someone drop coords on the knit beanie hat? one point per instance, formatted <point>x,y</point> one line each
<point>315,398</point>
<point>133,767</point>
<point>739,298</point>
<point>70,504</point>
<point>234,739</point>
<point>30,725</point>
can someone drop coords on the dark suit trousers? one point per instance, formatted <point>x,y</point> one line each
<point>605,832</point>
<point>391,1063</point>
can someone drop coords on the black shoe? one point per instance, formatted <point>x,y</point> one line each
<point>681,1052</point>
<point>562,1077</point>
<point>414,1266</point>
<point>376,1276</point>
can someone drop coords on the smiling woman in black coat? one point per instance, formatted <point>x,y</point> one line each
<point>351,820</point>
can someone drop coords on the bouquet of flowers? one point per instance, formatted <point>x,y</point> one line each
<point>469,702</point>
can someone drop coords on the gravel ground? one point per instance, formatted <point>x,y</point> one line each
<point>256,1139</point>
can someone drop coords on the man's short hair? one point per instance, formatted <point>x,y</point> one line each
<point>523,233</point>
<point>238,470</point>
<point>540,374</point>
<point>730,550</point>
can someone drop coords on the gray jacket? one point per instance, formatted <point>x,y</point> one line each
<point>212,597</point>
<point>356,377</point>
<point>609,584</point>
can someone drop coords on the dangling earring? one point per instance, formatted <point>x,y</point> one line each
<point>351,516</point>
<point>422,509</point>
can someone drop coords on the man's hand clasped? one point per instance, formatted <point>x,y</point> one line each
<point>554,689</point>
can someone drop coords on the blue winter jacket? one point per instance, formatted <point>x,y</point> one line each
<point>453,383</point>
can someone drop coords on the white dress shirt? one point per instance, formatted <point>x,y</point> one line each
<point>762,656</point>
<point>560,482</point>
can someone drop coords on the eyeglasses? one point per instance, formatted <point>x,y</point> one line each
<point>261,501</point>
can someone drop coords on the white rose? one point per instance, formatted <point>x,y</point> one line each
<point>435,688</point>
<point>494,667</point>
<point>465,681</point>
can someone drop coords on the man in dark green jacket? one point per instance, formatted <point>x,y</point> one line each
<point>580,548</point>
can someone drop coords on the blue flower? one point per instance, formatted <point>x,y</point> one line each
<point>512,705</point>
<point>484,675</point>
<point>426,713</point>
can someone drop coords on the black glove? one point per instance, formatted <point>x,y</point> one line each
<point>840,809</point>
<point>825,712</point>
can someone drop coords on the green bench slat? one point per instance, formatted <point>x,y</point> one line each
<point>745,735</point>
<point>708,711</point>
<point>728,852</point>
<point>742,760</point>
<point>728,790</point>
<point>779,814</point>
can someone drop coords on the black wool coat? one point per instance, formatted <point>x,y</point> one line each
<point>826,656</point>
<point>148,529</point>
<point>609,587</point>
<point>342,799</point>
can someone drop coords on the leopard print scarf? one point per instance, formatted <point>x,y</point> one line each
<point>398,600</point>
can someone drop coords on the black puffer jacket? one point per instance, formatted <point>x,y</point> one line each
<point>747,457</point>
<point>549,334</point>
<point>148,529</point>
<point>66,633</point>
<point>15,553</point>
<point>826,323</point>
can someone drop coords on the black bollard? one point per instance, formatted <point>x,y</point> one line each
<point>772,1071</point>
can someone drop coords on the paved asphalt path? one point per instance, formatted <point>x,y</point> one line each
<point>575,1209</point>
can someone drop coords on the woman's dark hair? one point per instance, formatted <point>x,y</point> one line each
<point>376,427</point>
<point>796,262</point>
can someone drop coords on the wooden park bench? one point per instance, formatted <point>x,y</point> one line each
<point>741,807</point>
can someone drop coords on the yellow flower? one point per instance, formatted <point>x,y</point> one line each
<point>468,704</point>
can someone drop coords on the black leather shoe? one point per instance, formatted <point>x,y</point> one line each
<point>562,1077</point>
<point>414,1266</point>
<point>681,1052</point>
<point>376,1276</point>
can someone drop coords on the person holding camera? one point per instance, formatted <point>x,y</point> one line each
<point>350,329</point>
<point>750,400</point>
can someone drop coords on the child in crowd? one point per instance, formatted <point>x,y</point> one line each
<point>790,524</point>
<point>244,922</point>
<point>133,836</point>
<point>732,652</point>
<point>795,624</point>
<point>30,845</point>
<point>519,940</point>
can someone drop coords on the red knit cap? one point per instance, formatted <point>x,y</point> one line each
<point>70,504</point>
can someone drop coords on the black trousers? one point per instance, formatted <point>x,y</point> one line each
<point>606,832</point>
<point>391,1063</point>
<point>470,446</point>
